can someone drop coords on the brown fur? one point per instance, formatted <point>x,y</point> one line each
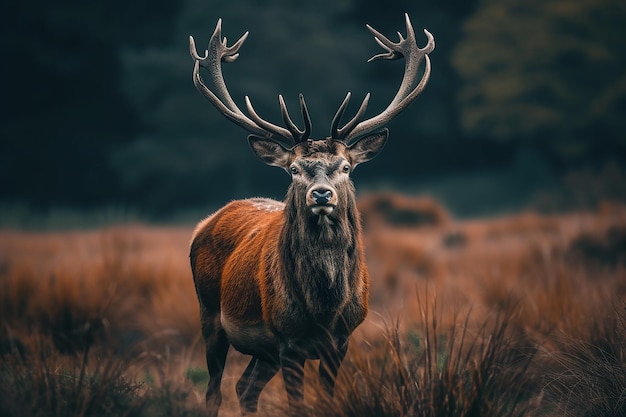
<point>279,282</point>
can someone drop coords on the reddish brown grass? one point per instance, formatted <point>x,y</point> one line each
<point>460,313</point>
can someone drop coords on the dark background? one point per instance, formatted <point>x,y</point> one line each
<point>526,106</point>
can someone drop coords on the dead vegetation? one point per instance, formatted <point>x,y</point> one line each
<point>514,316</point>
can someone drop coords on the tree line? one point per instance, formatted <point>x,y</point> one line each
<point>98,105</point>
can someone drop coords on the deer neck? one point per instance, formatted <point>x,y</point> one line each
<point>320,255</point>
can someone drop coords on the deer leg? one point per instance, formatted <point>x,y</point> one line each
<point>292,365</point>
<point>217,346</point>
<point>330,361</point>
<point>259,374</point>
<point>244,381</point>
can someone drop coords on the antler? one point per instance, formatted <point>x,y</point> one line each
<point>218,52</point>
<point>407,92</point>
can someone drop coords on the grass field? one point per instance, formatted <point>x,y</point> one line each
<point>522,315</point>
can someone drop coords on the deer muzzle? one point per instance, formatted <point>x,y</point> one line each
<point>322,200</point>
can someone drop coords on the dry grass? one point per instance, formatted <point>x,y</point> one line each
<point>400,211</point>
<point>515,316</point>
<point>115,286</point>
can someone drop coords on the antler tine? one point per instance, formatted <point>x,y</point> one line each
<point>308,127</point>
<point>298,135</point>
<point>386,44</point>
<point>408,91</point>
<point>334,131</point>
<point>339,134</point>
<point>217,52</point>
<point>281,131</point>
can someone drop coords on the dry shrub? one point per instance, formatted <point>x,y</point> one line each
<point>456,371</point>
<point>587,377</point>
<point>113,288</point>
<point>455,239</point>
<point>42,383</point>
<point>525,224</point>
<point>600,249</point>
<point>397,210</point>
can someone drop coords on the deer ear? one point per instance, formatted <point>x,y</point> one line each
<point>270,152</point>
<point>368,147</point>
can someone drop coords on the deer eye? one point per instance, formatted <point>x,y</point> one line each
<point>346,168</point>
<point>294,170</point>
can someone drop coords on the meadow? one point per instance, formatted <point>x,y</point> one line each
<point>520,315</point>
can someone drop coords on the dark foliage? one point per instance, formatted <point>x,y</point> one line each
<point>97,106</point>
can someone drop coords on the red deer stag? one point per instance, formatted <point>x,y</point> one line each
<point>287,281</point>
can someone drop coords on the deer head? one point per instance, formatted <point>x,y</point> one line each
<point>318,167</point>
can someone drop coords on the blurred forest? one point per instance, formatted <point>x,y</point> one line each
<point>525,107</point>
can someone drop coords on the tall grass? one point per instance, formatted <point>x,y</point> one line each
<point>587,377</point>
<point>41,383</point>
<point>435,372</point>
<point>44,383</point>
<point>114,287</point>
<point>514,316</point>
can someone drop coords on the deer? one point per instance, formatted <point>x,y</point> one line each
<point>286,282</point>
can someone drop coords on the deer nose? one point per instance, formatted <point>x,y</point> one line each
<point>321,196</point>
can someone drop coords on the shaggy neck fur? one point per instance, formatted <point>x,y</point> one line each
<point>320,255</point>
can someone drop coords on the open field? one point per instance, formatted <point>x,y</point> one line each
<point>513,316</point>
